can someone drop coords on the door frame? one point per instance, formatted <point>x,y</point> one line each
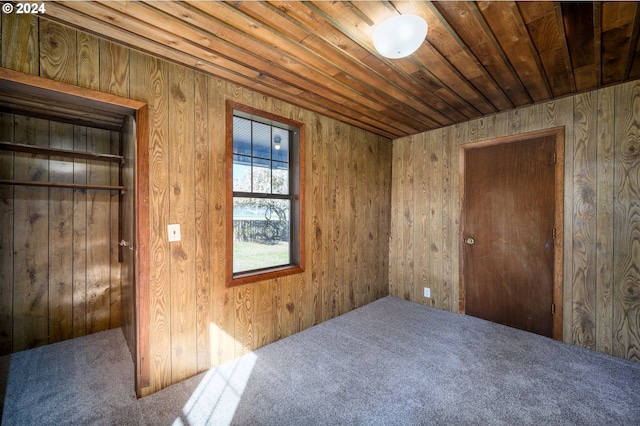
<point>558,266</point>
<point>52,90</point>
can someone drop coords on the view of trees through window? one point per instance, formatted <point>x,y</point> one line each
<point>261,196</point>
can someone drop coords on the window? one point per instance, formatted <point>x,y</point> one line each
<point>264,195</point>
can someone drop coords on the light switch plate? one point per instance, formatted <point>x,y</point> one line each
<point>427,292</point>
<point>174,232</point>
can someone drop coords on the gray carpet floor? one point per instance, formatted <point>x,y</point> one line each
<point>391,362</point>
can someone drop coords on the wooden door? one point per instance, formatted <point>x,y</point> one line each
<point>508,222</point>
<point>127,233</point>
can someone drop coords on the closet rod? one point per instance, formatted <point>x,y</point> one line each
<point>62,185</point>
<point>32,149</point>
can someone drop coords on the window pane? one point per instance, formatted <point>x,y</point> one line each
<point>281,149</point>
<point>261,176</point>
<point>241,136</point>
<point>280,178</point>
<point>261,140</point>
<point>241,173</point>
<point>260,233</point>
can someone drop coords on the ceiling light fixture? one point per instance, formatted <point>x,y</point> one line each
<point>400,36</point>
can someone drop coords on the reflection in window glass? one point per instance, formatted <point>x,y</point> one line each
<point>261,146</point>
<point>280,178</point>
<point>261,171</point>
<point>280,144</point>
<point>241,173</point>
<point>241,136</point>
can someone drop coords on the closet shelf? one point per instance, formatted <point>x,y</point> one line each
<point>58,152</point>
<point>62,185</point>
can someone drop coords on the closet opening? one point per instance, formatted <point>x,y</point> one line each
<point>73,216</point>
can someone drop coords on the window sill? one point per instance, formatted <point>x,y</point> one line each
<point>263,275</point>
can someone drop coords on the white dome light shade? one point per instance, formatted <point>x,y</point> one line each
<point>400,36</point>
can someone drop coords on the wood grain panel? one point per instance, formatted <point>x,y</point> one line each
<point>307,294</point>
<point>352,222</point>
<point>626,233</point>
<point>113,79</point>
<point>80,235</point>
<point>436,213</point>
<point>341,243</point>
<point>531,119</point>
<point>324,215</point>
<point>30,324</point>
<point>407,218</point>
<point>222,316</point>
<point>242,296</point>
<point>287,307</point>
<point>604,220</point>
<point>60,237</point>
<point>317,234</point>
<point>395,229</point>
<point>291,291</point>
<point>150,81</point>
<point>20,43</point>
<point>420,217</point>
<point>114,69</point>
<point>182,211</point>
<point>383,199</point>
<point>379,214</point>
<point>382,211</point>
<point>58,52</point>
<point>202,221</point>
<point>88,60</point>
<point>244,318</point>
<point>363,163</point>
<point>278,310</point>
<point>98,236</point>
<point>584,223</point>
<point>335,234</point>
<point>263,325</point>
<point>449,277</point>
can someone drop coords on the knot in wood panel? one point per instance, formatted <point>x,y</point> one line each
<point>631,153</point>
<point>177,93</point>
<point>179,254</point>
<point>290,307</point>
<point>631,291</point>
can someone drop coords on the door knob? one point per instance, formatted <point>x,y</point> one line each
<point>469,241</point>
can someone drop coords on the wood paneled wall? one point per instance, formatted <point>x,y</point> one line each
<point>195,321</point>
<point>601,292</point>
<point>59,270</point>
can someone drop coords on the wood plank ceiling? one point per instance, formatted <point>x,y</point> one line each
<point>478,58</point>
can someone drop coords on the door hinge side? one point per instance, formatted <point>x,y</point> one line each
<point>553,158</point>
<point>553,309</point>
<point>554,233</point>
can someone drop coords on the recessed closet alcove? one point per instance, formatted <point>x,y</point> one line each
<point>73,214</point>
